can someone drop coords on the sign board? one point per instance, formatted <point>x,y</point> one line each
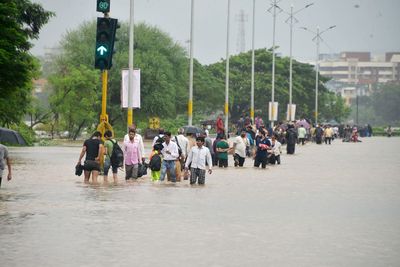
<point>103,6</point>
<point>125,88</point>
<point>273,111</point>
<point>291,112</point>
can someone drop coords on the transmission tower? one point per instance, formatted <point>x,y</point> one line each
<point>241,18</point>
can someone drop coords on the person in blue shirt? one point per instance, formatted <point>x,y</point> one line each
<point>262,146</point>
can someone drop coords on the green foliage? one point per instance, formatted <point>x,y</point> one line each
<point>75,97</point>
<point>173,124</point>
<point>335,108</point>
<point>20,21</point>
<point>164,83</point>
<point>26,132</point>
<point>303,94</point>
<point>380,108</point>
<point>164,76</point>
<point>386,103</point>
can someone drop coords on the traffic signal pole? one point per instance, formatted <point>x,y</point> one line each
<point>104,79</point>
<point>105,37</point>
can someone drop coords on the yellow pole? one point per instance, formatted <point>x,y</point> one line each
<point>130,117</point>
<point>103,125</point>
<point>190,108</point>
<point>104,78</point>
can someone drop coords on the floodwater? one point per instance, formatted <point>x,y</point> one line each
<point>335,205</point>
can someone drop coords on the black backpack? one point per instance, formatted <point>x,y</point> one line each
<point>117,155</point>
<point>155,162</point>
<point>160,140</point>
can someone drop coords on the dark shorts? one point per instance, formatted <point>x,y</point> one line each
<point>108,165</point>
<point>91,165</point>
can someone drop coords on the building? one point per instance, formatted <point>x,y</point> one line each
<point>355,73</point>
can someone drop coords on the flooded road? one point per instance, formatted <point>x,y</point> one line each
<point>335,205</point>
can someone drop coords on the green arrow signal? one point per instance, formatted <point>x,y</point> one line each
<point>102,49</point>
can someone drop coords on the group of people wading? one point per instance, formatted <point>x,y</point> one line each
<point>189,156</point>
<point>176,158</point>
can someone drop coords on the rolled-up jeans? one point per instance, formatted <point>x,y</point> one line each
<point>168,165</point>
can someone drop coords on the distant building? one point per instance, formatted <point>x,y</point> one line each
<point>39,86</point>
<point>354,73</point>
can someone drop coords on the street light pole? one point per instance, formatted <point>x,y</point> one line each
<point>317,39</point>
<point>292,20</point>
<point>252,64</point>
<point>227,71</point>
<point>190,103</point>
<point>273,63</point>
<point>291,64</point>
<point>316,77</point>
<point>130,79</point>
<point>357,106</point>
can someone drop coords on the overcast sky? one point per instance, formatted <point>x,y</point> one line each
<point>361,25</point>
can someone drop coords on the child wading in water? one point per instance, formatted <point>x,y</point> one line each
<point>155,162</point>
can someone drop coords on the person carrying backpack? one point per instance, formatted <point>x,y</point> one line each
<point>155,162</point>
<point>159,138</point>
<point>132,156</point>
<point>109,147</point>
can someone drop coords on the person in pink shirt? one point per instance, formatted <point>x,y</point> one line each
<point>132,156</point>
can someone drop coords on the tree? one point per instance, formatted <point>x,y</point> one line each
<point>164,76</point>
<point>75,97</point>
<point>21,21</point>
<point>303,94</point>
<point>386,103</point>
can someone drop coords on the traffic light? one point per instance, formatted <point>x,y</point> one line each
<point>105,37</point>
<point>103,6</point>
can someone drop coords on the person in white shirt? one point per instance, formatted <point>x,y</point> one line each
<point>170,155</point>
<point>199,156</point>
<point>239,145</point>
<point>275,151</point>
<point>182,141</point>
<point>137,139</point>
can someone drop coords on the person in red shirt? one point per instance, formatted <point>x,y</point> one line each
<point>220,125</point>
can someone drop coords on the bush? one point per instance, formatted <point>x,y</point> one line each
<point>381,131</point>
<point>27,133</point>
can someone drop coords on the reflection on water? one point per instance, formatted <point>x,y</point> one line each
<point>319,208</point>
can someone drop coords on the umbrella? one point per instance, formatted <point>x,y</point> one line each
<point>303,123</point>
<point>192,130</point>
<point>11,137</point>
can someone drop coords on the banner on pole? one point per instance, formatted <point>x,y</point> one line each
<point>291,112</point>
<point>125,88</point>
<point>273,111</point>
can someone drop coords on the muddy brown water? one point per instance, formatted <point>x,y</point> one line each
<point>335,205</point>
